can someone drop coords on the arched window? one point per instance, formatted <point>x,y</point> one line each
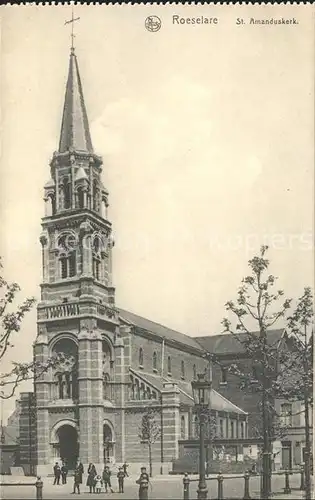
<point>182,427</point>
<point>66,369</point>
<point>67,255</point>
<point>96,192</point>
<point>182,369</point>
<point>66,193</point>
<point>97,259</point>
<point>141,357</point>
<point>132,388</point>
<point>106,387</point>
<point>223,375</point>
<point>154,361</point>
<point>169,365</point>
<point>80,198</point>
<point>68,377</point>
<point>195,429</point>
<point>142,392</point>
<point>194,372</point>
<point>137,390</point>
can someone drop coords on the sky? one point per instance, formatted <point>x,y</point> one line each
<point>207,137</point>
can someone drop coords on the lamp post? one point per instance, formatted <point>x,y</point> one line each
<point>201,392</point>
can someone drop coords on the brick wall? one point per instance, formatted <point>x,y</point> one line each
<point>177,355</point>
<point>231,390</point>
<point>28,436</point>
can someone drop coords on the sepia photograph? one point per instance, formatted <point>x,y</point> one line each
<point>157,251</point>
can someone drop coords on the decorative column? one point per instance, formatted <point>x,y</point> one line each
<point>90,404</point>
<point>45,258</point>
<point>42,384</point>
<point>72,161</point>
<point>171,421</point>
<point>121,393</point>
<point>85,235</point>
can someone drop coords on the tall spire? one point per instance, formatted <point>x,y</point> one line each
<point>75,131</point>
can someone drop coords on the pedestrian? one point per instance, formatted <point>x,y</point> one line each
<point>81,471</point>
<point>57,473</point>
<point>98,483</point>
<point>121,477</point>
<point>143,482</point>
<point>77,481</point>
<point>64,472</point>
<point>106,479</point>
<point>91,477</point>
<point>125,467</point>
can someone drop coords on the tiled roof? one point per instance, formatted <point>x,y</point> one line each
<point>227,343</point>
<point>75,132</point>
<point>159,330</point>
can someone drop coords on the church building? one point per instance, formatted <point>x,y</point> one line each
<point>117,364</point>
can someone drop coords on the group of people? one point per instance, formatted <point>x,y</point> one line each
<point>96,481</point>
<point>60,472</point>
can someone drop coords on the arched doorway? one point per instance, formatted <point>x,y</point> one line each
<point>68,445</point>
<point>108,443</point>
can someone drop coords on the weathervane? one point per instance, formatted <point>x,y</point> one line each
<point>72,20</point>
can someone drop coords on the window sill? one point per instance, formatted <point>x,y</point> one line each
<point>140,367</point>
<point>169,374</point>
<point>182,378</point>
<point>155,370</point>
<point>223,383</point>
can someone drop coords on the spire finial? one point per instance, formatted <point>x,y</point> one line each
<point>72,21</point>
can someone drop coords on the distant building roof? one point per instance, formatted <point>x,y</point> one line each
<point>159,330</point>
<point>228,343</point>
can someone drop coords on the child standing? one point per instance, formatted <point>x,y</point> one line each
<point>121,477</point>
<point>77,481</point>
<point>98,483</point>
<point>106,479</point>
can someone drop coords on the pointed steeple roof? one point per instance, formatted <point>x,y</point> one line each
<point>75,131</point>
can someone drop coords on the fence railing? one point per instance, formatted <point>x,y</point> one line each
<point>246,478</point>
<point>38,487</point>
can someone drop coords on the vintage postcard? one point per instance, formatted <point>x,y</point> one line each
<point>157,250</point>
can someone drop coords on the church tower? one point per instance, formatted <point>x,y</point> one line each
<point>76,314</point>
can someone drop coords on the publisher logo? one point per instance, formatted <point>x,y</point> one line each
<point>153,23</point>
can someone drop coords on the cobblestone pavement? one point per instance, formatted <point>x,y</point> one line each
<point>161,488</point>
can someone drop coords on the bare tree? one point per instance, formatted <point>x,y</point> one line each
<point>149,432</point>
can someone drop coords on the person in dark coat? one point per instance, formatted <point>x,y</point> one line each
<point>57,473</point>
<point>77,481</point>
<point>64,472</point>
<point>91,477</point>
<point>106,479</point>
<point>81,471</point>
<point>143,482</point>
<point>121,477</point>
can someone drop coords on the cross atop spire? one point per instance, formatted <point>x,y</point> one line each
<point>72,21</point>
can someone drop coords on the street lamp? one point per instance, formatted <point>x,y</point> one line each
<point>201,392</point>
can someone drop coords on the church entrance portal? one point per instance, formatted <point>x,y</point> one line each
<point>68,445</point>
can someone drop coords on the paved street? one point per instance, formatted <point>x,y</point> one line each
<point>162,487</point>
